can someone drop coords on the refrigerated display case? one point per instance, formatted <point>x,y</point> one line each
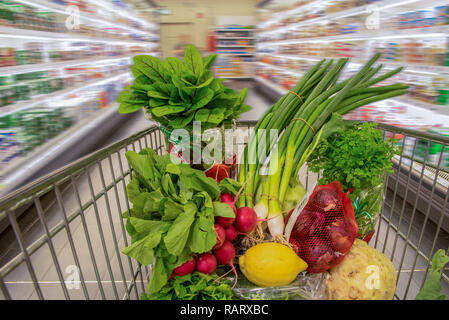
<point>62,65</point>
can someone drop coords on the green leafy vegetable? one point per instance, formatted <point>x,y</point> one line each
<point>172,214</point>
<point>194,286</point>
<point>432,287</point>
<point>175,93</point>
<point>356,156</point>
<point>230,186</point>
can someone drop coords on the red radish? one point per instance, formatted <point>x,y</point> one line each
<point>224,222</point>
<point>227,222</point>
<point>206,263</point>
<point>226,197</point>
<point>231,233</point>
<point>246,219</point>
<point>226,255</point>
<point>186,268</point>
<point>221,236</point>
<point>218,172</point>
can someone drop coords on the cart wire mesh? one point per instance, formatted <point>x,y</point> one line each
<point>61,236</point>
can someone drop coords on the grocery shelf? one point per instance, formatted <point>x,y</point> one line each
<point>436,31</point>
<point>236,38</point>
<point>58,8</point>
<point>380,5</point>
<point>17,33</point>
<point>440,109</point>
<point>234,78</point>
<point>21,169</point>
<point>235,54</point>
<point>288,13</point>
<point>124,13</point>
<point>408,67</point>
<point>23,105</point>
<point>5,71</point>
<point>268,65</point>
<point>224,29</point>
<point>234,46</point>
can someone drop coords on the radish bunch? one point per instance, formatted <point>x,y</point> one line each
<point>227,230</point>
<point>244,222</point>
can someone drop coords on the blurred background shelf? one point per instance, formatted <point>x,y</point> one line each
<point>411,34</point>
<point>17,33</point>
<point>61,149</point>
<point>24,105</point>
<point>62,65</point>
<point>6,71</point>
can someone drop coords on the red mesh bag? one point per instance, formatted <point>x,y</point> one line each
<point>325,229</point>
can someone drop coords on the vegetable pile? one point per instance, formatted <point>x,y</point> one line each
<point>358,158</point>
<point>192,225</point>
<point>310,112</point>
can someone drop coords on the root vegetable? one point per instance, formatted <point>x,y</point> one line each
<point>224,222</point>
<point>185,269</point>
<point>308,224</point>
<point>327,200</point>
<point>221,236</point>
<point>246,219</point>
<point>206,263</point>
<point>231,233</point>
<point>226,197</point>
<point>340,239</point>
<point>225,255</point>
<point>317,253</point>
<point>353,278</point>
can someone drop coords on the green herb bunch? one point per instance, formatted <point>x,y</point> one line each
<point>357,157</point>
<point>175,93</point>
<point>173,212</point>
<point>194,286</point>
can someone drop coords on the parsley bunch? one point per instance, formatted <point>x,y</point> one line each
<point>357,157</point>
<point>194,286</point>
<point>175,93</point>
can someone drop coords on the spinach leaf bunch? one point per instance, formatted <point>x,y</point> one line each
<point>172,214</point>
<point>175,93</point>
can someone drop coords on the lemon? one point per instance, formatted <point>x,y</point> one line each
<point>271,264</point>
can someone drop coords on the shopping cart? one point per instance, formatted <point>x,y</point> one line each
<point>62,235</point>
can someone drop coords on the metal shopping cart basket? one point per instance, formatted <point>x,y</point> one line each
<point>62,235</point>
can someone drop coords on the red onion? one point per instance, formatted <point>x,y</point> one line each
<point>318,254</point>
<point>327,200</point>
